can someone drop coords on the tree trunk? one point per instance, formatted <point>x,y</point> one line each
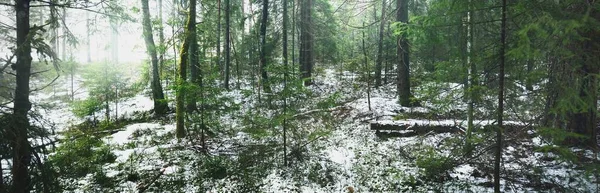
<point>388,66</point>
<point>285,78</point>
<point>64,34</point>
<point>114,35</point>
<point>472,75</point>
<point>238,73</point>
<point>2,187</point>
<point>306,41</point>
<point>403,60</point>
<point>160,105</point>
<point>54,30</point>
<point>294,15</point>
<point>161,40</point>
<point>183,58</point>
<point>194,64</point>
<point>498,156</point>
<point>174,41</point>
<point>219,36</point>
<point>227,42</point>
<point>263,49</point>
<point>22,105</point>
<point>528,79</point>
<point>106,94</point>
<point>378,65</point>
<point>366,64</point>
<point>584,121</point>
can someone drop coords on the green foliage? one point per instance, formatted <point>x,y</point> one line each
<point>326,46</point>
<point>217,167</point>
<point>558,136</point>
<point>258,126</point>
<point>322,173</point>
<point>83,155</point>
<point>104,81</point>
<point>434,165</point>
<point>330,101</point>
<point>87,107</point>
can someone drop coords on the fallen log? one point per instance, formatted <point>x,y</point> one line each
<point>411,128</point>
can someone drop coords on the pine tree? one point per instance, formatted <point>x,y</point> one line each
<point>20,122</point>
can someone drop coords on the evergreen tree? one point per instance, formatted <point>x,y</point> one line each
<point>21,180</point>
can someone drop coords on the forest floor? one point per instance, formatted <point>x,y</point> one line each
<point>331,148</point>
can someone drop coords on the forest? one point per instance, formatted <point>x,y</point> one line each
<point>299,96</point>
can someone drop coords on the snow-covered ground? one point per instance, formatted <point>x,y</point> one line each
<point>349,155</point>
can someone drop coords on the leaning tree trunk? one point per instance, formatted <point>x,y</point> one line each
<point>22,105</point>
<point>403,60</point>
<point>160,105</point>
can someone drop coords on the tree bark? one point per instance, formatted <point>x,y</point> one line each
<point>160,105</point>
<point>378,65</point>
<point>193,62</point>
<point>498,156</point>
<point>306,41</point>
<point>367,70</point>
<point>64,34</point>
<point>403,60</point>
<point>2,187</point>
<point>584,121</point>
<point>285,78</point>
<point>294,15</point>
<point>183,58</point>
<point>161,40</point>
<point>227,42</point>
<point>528,80</point>
<point>219,36</point>
<point>472,75</point>
<point>22,105</point>
<point>263,49</point>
